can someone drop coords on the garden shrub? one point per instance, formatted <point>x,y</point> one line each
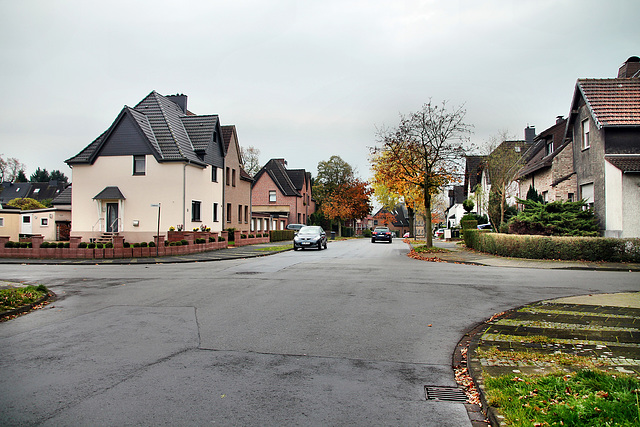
<point>251,236</point>
<point>221,239</point>
<point>468,224</point>
<point>366,232</point>
<point>108,245</point>
<point>44,245</point>
<point>211,239</point>
<point>557,218</point>
<point>9,244</point>
<point>152,244</point>
<point>184,242</point>
<point>82,245</point>
<point>136,245</point>
<point>126,245</point>
<point>173,243</point>
<point>143,244</point>
<point>243,236</point>
<point>99,245</point>
<point>91,245</point>
<point>60,245</point>
<point>66,245</point>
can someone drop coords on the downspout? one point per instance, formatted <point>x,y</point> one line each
<point>184,195</point>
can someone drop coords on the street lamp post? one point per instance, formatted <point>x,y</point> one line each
<point>158,232</point>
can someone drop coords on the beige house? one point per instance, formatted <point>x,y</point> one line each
<point>237,184</point>
<point>157,166</point>
<point>51,223</point>
<point>10,223</point>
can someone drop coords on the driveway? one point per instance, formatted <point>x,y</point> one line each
<point>349,335</point>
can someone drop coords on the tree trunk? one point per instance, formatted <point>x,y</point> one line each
<point>428,233</point>
<point>412,217</point>
<point>339,227</point>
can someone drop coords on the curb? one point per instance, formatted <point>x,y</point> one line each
<point>27,308</point>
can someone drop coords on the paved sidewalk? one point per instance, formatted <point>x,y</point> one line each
<point>459,253</point>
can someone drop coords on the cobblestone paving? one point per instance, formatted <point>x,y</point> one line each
<point>607,337</point>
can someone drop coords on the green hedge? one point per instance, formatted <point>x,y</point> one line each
<point>282,235</point>
<point>552,247</point>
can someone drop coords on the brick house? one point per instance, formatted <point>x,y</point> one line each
<point>604,124</point>
<point>549,165</point>
<point>237,184</point>
<point>281,196</point>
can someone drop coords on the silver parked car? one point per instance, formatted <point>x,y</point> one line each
<point>310,236</point>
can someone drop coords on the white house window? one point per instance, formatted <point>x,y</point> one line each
<point>214,174</point>
<point>272,196</point>
<point>585,134</point>
<point>549,148</point>
<point>44,222</point>
<point>1,222</point>
<point>195,211</point>
<point>139,165</point>
<point>215,212</point>
<point>586,192</point>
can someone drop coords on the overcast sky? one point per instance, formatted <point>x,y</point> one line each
<point>301,80</point>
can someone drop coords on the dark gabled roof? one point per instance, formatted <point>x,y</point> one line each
<point>110,193</point>
<point>297,177</point>
<point>626,163</point>
<point>170,133</point>
<point>537,158</point>
<point>63,198</point>
<point>34,190</point>
<point>278,174</point>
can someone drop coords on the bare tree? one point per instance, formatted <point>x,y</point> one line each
<point>250,159</point>
<point>428,146</point>
<point>10,168</point>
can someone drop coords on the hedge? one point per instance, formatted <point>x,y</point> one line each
<point>282,235</point>
<point>553,247</point>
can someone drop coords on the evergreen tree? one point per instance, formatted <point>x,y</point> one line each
<point>56,175</point>
<point>21,177</point>
<point>557,218</point>
<point>532,194</point>
<point>40,175</point>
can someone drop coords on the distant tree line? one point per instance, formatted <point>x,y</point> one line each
<point>12,170</point>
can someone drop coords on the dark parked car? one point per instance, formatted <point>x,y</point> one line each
<point>310,236</point>
<point>381,233</point>
<point>487,227</point>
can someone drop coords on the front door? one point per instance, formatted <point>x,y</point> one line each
<point>112,217</point>
<point>26,224</point>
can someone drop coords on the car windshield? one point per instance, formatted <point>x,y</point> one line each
<point>309,230</point>
<point>381,229</point>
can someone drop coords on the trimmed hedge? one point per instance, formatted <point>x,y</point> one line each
<point>554,247</point>
<point>282,235</point>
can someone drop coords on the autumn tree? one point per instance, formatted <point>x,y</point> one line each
<point>339,193</point>
<point>427,145</point>
<point>250,159</point>
<point>10,169</point>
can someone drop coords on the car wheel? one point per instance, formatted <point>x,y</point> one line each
<point>325,245</point>
<point>295,248</point>
<point>390,240</point>
<point>319,246</point>
<point>373,240</point>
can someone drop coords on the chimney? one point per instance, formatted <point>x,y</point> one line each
<point>529,134</point>
<point>180,100</point>
<point>631,68</point>
<point>283,162</point>
<point>559,119</point>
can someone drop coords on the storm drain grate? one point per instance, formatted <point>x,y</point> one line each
<point>247,272</point>
<point>446,394</point>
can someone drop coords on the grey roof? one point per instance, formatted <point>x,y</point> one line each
<point>63,198</point>
<point>537,158</point>
<point>170,133</point>
<point>279,175</point>
<point>625,163</point>
<point>110,193</point>
<point>35,190</point>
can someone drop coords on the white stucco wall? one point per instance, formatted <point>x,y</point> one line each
<point>174,185</point>
<point>613,200</point>
<point>630,205</point>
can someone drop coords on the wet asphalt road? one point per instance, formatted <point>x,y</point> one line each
<point>348,335</point>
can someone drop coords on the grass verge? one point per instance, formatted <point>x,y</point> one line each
<point>274,248</point>
<point>13,298</point>
<point>587,397</point>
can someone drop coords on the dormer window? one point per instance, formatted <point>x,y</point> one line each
<point>549,147</point>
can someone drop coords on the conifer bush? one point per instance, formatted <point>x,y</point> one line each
<point>557,218</point>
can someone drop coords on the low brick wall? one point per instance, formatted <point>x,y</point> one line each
<point>118,250</point>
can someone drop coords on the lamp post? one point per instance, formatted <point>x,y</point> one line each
<point>158,232</point>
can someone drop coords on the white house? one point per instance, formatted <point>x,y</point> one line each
<point>155,158</point>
